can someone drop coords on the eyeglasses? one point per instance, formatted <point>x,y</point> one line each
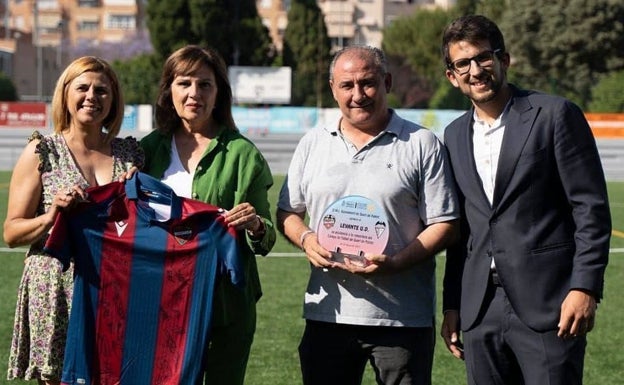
<point>483,59</point>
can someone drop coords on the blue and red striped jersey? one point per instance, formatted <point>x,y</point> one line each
<point>146,264</point>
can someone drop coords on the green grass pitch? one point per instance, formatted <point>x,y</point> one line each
<point>274,359</point>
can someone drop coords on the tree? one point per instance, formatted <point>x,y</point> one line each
<point>466,7</point>
<point>493,9</point>
<point>127,48</point>
<point>167,22</point>
<point>233,28</point>
<point>139,77</point>
<point>448,97</point>
<point>307,52</point>
<point>564,46</point>
<point>8,92</point>
<point>409,90</point>
<point>414,41</point>
<point>608,94</point>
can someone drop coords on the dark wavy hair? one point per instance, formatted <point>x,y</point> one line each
<point>473,29</point>
<point>185,62</point>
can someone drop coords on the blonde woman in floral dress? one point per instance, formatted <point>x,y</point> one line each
<point>50,176</point>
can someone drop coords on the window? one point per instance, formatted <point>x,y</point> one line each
<point>4,64</point>
<point>47,4</point>
<point>126,3</point>
<point>340,42</point>
<point>88,25</point>
<point>121,22</point>
<point>88,3</point>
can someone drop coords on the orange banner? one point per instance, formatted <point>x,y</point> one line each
<point>606,125</point>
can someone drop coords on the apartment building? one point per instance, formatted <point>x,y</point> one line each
<point>347,21</point>
<point>42,36</point>
<point>75,20</point>
<point>39,37</point>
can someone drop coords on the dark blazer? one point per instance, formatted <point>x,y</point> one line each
<point>549,226</point>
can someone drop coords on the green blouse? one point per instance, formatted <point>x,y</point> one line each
<point>232,171</point>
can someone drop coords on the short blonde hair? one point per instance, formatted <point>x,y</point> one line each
<point>60,111</point>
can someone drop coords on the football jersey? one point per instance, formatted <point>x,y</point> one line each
<point>146,263</point>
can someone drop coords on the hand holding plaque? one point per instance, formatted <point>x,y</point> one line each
<point>352,226</point>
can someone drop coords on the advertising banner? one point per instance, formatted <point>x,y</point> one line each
<point>606,125</point>
<point>26,115</point>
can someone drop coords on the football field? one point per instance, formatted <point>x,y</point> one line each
<point>274,359</point>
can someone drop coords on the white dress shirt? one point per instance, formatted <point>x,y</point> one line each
<point>487,141</point>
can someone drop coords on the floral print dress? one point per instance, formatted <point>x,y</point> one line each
<point>45,291</point>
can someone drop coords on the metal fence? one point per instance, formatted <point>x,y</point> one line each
<point>278,150</point>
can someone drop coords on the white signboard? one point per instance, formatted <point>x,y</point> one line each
<point>260,85</point>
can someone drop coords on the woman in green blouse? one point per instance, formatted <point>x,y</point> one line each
<point>198,151</point>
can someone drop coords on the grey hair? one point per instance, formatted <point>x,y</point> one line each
<point>375,55</point>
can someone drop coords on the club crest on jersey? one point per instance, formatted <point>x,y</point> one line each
<point>182,234</point>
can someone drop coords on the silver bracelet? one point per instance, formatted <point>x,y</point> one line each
<point>261,229</point>
<point>303,237</point>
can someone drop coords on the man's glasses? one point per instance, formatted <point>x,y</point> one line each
<point>483,59</point>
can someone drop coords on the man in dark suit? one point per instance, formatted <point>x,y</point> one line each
<point>524,281</point>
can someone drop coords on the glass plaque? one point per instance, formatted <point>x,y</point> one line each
<point>352,226</point>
